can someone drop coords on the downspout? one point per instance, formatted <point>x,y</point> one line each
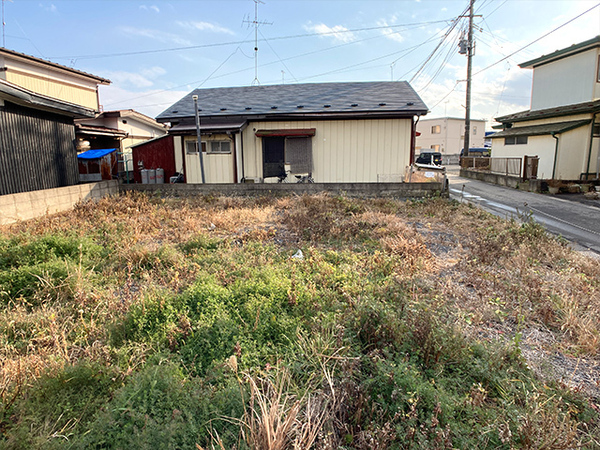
<point>587,169</point>
<point>413,139</point>
<point>243,180</point>
<point>555,154</point>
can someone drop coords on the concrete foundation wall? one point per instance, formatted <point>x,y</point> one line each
<point>503,180</point>
<point>29,205</point>
<point>395,190</point>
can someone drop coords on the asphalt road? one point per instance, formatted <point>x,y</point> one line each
<point>578,223</point>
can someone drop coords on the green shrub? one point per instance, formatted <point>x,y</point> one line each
<point>160,408</point>
<point>59,406</point>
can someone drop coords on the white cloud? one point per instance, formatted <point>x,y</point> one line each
<point>205,26</point>
<point>338,32</point>
<point>157,35</point>
<point>50,8</point>
<point>153,72</point>
<point>154,8</point>
<point>390,33</point>
<point>129,78</point>
<point>150,102</point>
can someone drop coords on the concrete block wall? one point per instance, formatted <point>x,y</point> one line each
<point>395,190</point>
<point>30,205</point>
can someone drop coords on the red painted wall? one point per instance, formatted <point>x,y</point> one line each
<point>155,154</point>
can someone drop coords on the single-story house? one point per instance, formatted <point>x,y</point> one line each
<point>338,132</point>
<point>562,127</point>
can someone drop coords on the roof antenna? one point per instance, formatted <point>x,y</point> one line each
<point>255,23</point>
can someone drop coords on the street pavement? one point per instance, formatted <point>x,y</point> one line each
<point>577,222</point>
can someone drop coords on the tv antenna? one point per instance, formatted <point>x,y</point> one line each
<point>255,23</point>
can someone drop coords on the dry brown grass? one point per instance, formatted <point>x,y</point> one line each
<point>491,272</point>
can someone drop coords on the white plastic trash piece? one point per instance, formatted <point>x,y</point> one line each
<point>298,255</point>
<point>212,227</point>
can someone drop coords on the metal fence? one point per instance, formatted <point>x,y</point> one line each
<point>477,162</point>
<point>507,166</point>
<point>502,166</point>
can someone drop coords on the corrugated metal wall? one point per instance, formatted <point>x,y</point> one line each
<point>36,150</point>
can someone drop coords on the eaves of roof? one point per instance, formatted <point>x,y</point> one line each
<point>563,53</point>
<point>558,111</point>
<point>25,97</point>
<point>544,129</point>
<point>40,61</point>
<point>208,127</point>
<point>99,130</point>
<point>158,138</point>
<point>125,113</point>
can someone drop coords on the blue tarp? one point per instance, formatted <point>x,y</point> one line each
<point>96,154</point>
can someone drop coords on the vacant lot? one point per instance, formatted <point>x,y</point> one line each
<point>295,322</point>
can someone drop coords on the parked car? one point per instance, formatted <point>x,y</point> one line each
<point>431,158</point>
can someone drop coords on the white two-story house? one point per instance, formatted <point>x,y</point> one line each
<point>562,127</point>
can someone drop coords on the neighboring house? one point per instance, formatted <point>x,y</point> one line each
<point>39,101</point>
<point>120,129</point>
<point>562,127</point>
<point>447,135</point>
<point>339,132</point>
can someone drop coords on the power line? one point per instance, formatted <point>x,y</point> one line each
<point>221,44</point>
<point>537,40</point>
<point>452,26</point>
<point>273,50</point>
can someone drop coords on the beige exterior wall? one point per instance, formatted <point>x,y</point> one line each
<point>51,82</point>
<point>573,149</point>
<point>343,150</point>
<point>567,81</point>
<point>451,136</point>
<point>218,168</point>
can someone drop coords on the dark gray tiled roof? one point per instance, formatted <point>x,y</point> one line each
<point>557,111</point>
<point>392,97</point>
<point>540,130</point>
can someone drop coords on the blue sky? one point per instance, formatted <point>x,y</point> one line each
<point>157,51</point>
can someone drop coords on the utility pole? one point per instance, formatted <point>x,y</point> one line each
<point>470,48</point>
<point>199,137</point>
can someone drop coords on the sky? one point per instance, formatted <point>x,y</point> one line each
<point>155,52</point>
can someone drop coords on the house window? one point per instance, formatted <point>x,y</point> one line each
<point>436,129</point>
<point>219,146</point>
<point>515,140</point>
<point>298,154</point>
<point>191,147</point>
<point>435,148</point>
<point>474,130</point>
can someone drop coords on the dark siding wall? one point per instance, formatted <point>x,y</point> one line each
<point>36,150</point>
<point>155,154</point>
